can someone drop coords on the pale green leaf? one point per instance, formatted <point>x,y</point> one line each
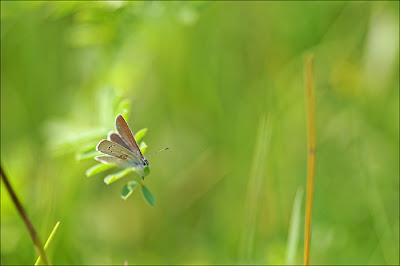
<point>148,196</point>
<point>128,189</point>
<point>143,147</point>
<point>98,168</point>
<point>116,176</point>
<point>87,155</point>
<point>140,135</point>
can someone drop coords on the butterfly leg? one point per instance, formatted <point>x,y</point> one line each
<point>142,174</point>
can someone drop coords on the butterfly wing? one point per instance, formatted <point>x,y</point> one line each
<point>124,163</point>
<point>126,134</point>
<point>115,137</point>
<point>111,148</point>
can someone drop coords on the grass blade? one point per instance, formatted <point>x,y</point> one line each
<point>48,240</point>
<point>294,229</point>
<point>254,190</point>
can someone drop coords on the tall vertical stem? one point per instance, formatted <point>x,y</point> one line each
<point>309,87</point>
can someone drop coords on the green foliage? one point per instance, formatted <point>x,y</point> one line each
<point>143,147</point>
<point>89,152</point>
<point>200,75</point>
<point>148,196</point>
<point>128,189</point>
<point>140,134</point>
<point>98,168</point>
<point>111,178</point>
<point>87,155</point>
<point>294,229</point>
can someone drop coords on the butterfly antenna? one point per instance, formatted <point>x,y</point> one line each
<point>157,152</point>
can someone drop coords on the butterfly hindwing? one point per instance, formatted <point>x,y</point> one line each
<point>111,148</point>
<point>124,163</point>
<point>115,137</point>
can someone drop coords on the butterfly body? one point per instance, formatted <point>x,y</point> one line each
<point>121,148</point>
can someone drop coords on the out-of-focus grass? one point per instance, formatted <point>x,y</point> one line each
<point>294,229</point>
<point>199,76</point>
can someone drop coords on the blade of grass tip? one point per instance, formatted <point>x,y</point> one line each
<point>48,240</point>
<point>254,190</point>
<point>310,106</point>
<point>31,229</point>
<point>294,229</point>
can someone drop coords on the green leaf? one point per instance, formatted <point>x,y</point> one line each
<point>128,189</point>
<point>146,170</point>
<point>111,178</point>
<point>148,196</point>
<point>143,147</point>
<point>140,134</point>
<point>87,155</point>
<point>123,108</point>
<point>90,146</point>
<point>98,168</point>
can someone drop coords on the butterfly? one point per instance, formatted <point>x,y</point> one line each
<point>122,149</point>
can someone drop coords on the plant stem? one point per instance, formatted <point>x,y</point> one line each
<point>36,241</point>
<point>309,86</point>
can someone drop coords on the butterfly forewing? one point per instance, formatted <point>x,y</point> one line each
<point>108,159</point>
<point>111,148</point>
<point>126,134</point>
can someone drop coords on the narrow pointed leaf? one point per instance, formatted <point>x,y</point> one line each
<point>87,155</point>
<point>116,176</point>
<point>123,108</point>
<point>90,146</point>
<point>148,196</point>
<point>143,146</point>
<point>98,168</point>
<point>128,189</point>
<point>140,134</point>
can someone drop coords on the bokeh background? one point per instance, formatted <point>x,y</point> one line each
<point>221,84</point>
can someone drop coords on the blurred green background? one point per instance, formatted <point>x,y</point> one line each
<point>221,84</point>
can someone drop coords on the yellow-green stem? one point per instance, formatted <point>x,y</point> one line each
<point>309,87</point>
